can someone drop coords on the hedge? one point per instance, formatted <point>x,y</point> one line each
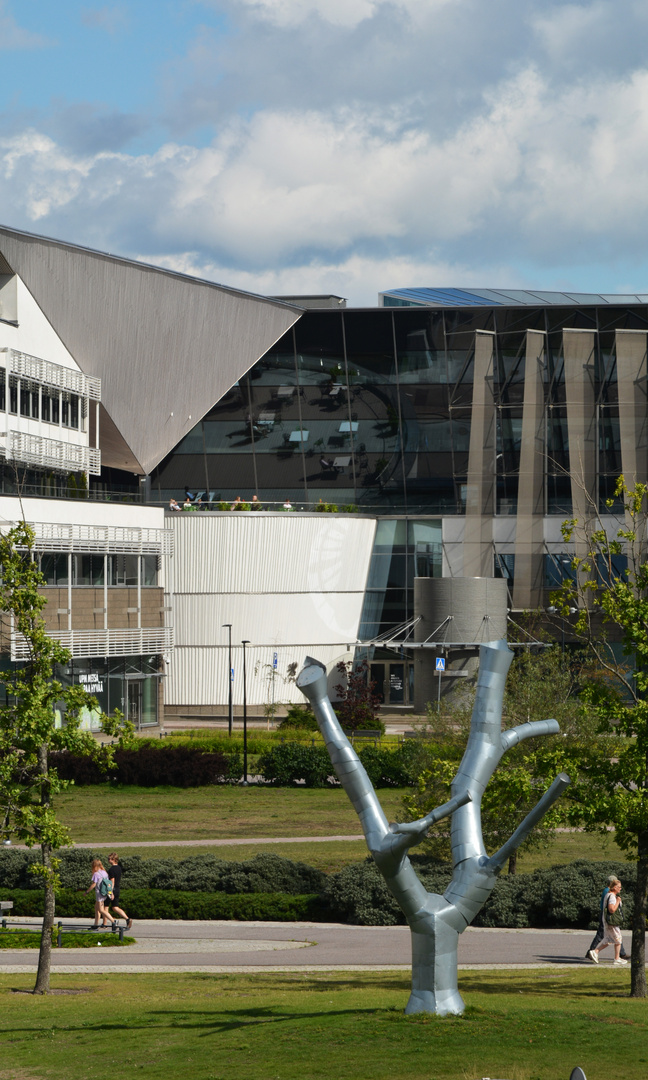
<point>264,873</point>
<point>293,763</point>
<point>161,904</point>
<point>151,766</point>
<point>270,887</point>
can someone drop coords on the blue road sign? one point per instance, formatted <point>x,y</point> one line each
<point>274,660</point>
<point>232,675</point>
<point>440,664</point>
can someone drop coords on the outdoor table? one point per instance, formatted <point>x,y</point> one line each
<point>341,463</point>
<point>348,425</point>
<point>298,436</point>
<point>285,391</point>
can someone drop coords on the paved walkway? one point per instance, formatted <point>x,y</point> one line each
<point>168,945</point>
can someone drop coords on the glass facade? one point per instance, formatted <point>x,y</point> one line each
<point>372,408</point>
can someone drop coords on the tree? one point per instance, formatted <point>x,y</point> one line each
<point>358,703</point>
<point>541,682</point>
<point>607,583</point>
<point>28,727</point>
<point>436,921</point>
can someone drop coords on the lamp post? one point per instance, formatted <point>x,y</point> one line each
<point>230,713</point>
<point>245,779</point>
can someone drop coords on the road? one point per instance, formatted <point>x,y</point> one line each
<point>166,945</point>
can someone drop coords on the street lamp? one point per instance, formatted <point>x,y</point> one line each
<point>245,779</point>
<point>228,626</point>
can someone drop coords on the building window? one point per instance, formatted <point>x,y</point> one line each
<point>54,568</point>
<point>50,406</point>
<point>69,410</point>
<point>13,395</point>
<point>122,570</point>
<point>3,390</point>
<point>88,570</point>
<point>29,403</point>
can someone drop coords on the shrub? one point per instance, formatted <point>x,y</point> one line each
<point>400,767</point>
<point>156,904</point>
<point>265,872</point>
<point>358,706</point>
<point>301,717</point>
<point>153,765</point>
<point>291,763</point>
<point>358,894</point>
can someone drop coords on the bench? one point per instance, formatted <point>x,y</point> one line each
<point>68,928</point>
<point>5,905</point>
<point>365,734</point>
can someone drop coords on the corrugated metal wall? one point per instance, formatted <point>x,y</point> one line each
<point>288,583</point>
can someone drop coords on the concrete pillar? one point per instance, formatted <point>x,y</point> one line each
<point>480,488</point>
<point>578,352</point>
<point>633,408</point>
<point>529,547</point>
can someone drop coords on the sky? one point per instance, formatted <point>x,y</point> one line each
<point>335,146</point>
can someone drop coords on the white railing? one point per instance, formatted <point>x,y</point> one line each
<point>109,539</point>
<point>90,643</point>
<point>52,454</point>
<point>44,371</point>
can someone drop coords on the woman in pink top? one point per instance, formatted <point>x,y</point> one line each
<point>101,912</point>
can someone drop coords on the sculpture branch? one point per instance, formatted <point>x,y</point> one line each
<point>436,921</point>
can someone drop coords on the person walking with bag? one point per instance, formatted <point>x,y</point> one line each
<point>600,931</point>
<point>115,873</point>
<point>102,886</point>
<point>612,921</point>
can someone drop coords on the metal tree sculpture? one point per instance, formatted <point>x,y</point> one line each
<point>436,921</point>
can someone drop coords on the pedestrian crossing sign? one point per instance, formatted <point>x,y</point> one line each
<point>440,664</point>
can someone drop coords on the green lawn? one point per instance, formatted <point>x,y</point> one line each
<point>106,814</point>
<point>113,815</point>
<point>534,1025</point>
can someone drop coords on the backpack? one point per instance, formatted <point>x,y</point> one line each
<point>614,918</point>
<point>106,888</point>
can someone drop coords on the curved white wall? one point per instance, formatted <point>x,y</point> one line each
<point>289,583</point>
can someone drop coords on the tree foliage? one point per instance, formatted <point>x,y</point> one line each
<point>358,704</point>
<point>28,725</point>
<point>541,684</point>
<point>608,585</point>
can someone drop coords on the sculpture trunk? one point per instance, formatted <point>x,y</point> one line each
<point>436,921</point>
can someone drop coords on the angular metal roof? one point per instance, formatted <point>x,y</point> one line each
<point>509,298</point>
<point>165,345</point>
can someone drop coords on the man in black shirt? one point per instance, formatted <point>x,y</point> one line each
<point>115,873</point>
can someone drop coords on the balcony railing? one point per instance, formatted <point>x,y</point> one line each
<point>52,454</point>
<point>91,643</point>
<point>44,371</point>
<point>110,539</point>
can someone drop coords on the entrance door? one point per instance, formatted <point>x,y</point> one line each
<point>135,702</point>
<point>394,682</point>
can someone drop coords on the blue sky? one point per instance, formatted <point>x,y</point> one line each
<point>288,146</point>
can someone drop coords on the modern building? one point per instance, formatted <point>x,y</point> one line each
<point>452,430</point>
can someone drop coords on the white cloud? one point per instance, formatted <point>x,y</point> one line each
<point>350,201</point>
<point>113,20</point>
<point>343,13</point>
<point>13,36</point>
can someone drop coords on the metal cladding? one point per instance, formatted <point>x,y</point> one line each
<point>164,345</point>
<point>466,610</point>
<point>436,921</point>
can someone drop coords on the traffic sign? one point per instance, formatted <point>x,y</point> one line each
<point>440,664</point>
<point>274,660</point>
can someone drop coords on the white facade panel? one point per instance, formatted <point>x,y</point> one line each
<point>199,676</point>
<point>265,552</point>
<point>289,584</point>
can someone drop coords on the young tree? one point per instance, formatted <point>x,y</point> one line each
<point>436,921</point>
<point>358,703</point>
<point>541,681</point>
<point>28,726</point>
<point>608,586</point>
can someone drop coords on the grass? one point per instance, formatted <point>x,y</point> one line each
<point>227,812</point>
<point>30,939</point>
<point>534,1025</point>
<point>109,814</point>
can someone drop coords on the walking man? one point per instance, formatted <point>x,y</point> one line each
<point>115,873</point>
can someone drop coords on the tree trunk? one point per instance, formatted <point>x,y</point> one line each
<point>512,863</point>
<point>45,954</point>
<point>638,953</point>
